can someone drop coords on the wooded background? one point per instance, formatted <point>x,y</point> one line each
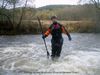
<point>17,17</point>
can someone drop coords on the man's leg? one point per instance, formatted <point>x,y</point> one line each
<point>58,52</point>
<point>59,48</point>
<point>53,53</point>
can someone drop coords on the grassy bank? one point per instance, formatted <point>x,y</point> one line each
<point>32,27</point>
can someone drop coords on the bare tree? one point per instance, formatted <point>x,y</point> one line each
<point>96,3</point>
<point>3,6</point>
<point>10,16</point>
<point>22,14</point>
<point>4,3</point>
<point>13,2</point>
<point>3,14</point>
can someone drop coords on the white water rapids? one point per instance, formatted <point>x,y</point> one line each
<point>26,55</point>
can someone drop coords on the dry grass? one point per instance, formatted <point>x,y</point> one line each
<point>31,26</point>
<point>72,26</point>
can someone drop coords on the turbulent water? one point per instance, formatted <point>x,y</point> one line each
<point>26,55</point>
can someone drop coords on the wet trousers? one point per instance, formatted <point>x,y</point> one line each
<point>56,47</point>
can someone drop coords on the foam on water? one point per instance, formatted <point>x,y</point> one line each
<point>19,60</point>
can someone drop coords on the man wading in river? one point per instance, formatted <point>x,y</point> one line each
<point>56,30</point>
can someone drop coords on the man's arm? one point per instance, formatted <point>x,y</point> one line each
<point>46,33</point>
<point>66,32</point>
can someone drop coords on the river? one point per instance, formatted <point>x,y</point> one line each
<point>26,55</point>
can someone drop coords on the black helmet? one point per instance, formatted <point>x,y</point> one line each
<point>53,17</point>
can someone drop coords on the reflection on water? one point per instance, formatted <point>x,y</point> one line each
<point>25,54</point>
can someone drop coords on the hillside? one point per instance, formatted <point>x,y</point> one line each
<point>64,12</point>
<point>67,12</point>
<point>55,7</point>
<point>77,18</point>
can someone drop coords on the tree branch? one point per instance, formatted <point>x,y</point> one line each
<point>96,3</point>
<point>21,17</point>
<point>7,18</point>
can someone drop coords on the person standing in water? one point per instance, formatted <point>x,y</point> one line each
<point>56,30</point>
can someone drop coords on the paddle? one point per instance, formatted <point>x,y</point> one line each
<point>43,39</point>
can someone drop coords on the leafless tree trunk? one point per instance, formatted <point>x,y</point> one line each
<point>22,14</point>
<point>12,19</point>
<point>14,5</point>
<point>97,5</point>
<point>97,10</point>
<point>4,3</point>
<point>2,9</point>
<point>8,18</point>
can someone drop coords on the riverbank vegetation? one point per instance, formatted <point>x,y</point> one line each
<point>23,20</point>
<point>32,27</point>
